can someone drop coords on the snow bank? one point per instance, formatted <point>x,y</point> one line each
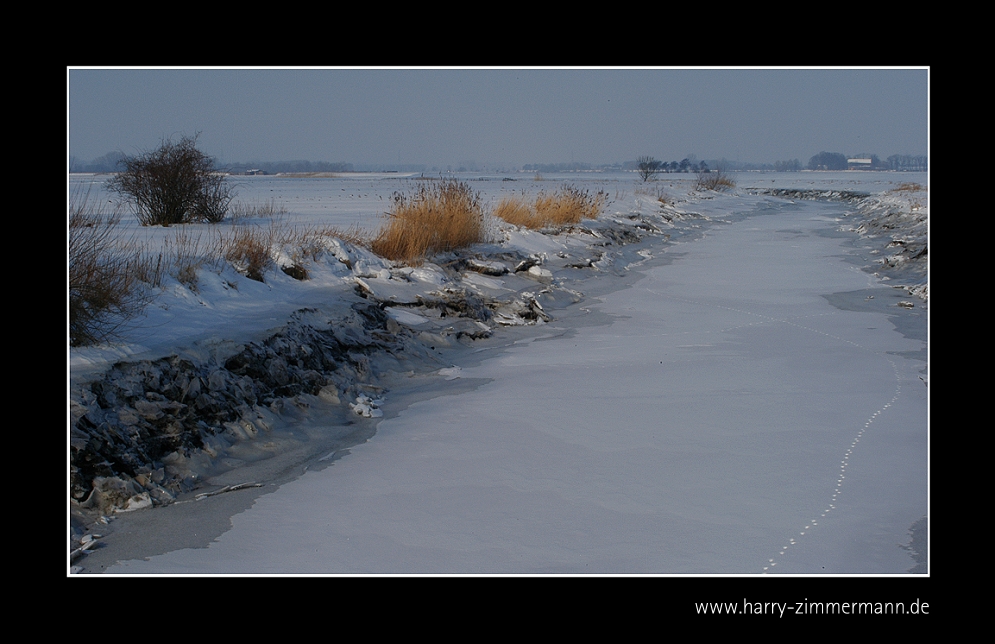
<point>210,374</point>
<point>221,362</point>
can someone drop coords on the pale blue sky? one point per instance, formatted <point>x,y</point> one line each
<point>501,116</point>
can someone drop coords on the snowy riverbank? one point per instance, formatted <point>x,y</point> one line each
<point>215,382</point>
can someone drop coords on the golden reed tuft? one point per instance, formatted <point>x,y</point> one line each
<point>568,205</point>
<point>438,217</point>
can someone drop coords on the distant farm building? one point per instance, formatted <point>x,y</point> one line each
<point>859,164</point>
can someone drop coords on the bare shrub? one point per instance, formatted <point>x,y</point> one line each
<point>174,184</point>
<point>714,180</point>
<point>568,205</point>
<point>108,280</point>
<point>215,198</point>
<point>438,217</point>
<point>648,167</point>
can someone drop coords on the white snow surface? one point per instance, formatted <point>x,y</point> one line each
<point>718,416</point>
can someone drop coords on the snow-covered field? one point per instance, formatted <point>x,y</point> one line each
<point>714,385</point>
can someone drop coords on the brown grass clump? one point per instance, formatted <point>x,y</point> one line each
<point>515,210</point>
<point>438,217</point>
<point>249,250</point>
<point>568,205</point>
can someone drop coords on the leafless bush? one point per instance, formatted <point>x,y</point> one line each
<point>215,198</point>
<point>109,280</point>
<point>174,184</point>
<point>714,180</point>
<point>648,167</point>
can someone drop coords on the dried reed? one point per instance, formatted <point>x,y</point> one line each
<point>438,217</point>
<point>568,205</point>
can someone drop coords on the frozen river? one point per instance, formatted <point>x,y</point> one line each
<point>725,414</point>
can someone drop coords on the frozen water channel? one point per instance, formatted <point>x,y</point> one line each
<point>728,418</point>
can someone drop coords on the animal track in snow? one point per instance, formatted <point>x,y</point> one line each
<point>841,477</point>
<point>836,486</point>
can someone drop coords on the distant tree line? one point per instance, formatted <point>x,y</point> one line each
<point>110,162</point>
<point>898,162</point>
<point>648,166</point>
<point>908,162</point>
<point>827,161</point>
<point>794,165</point>
<point>687,164</point>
